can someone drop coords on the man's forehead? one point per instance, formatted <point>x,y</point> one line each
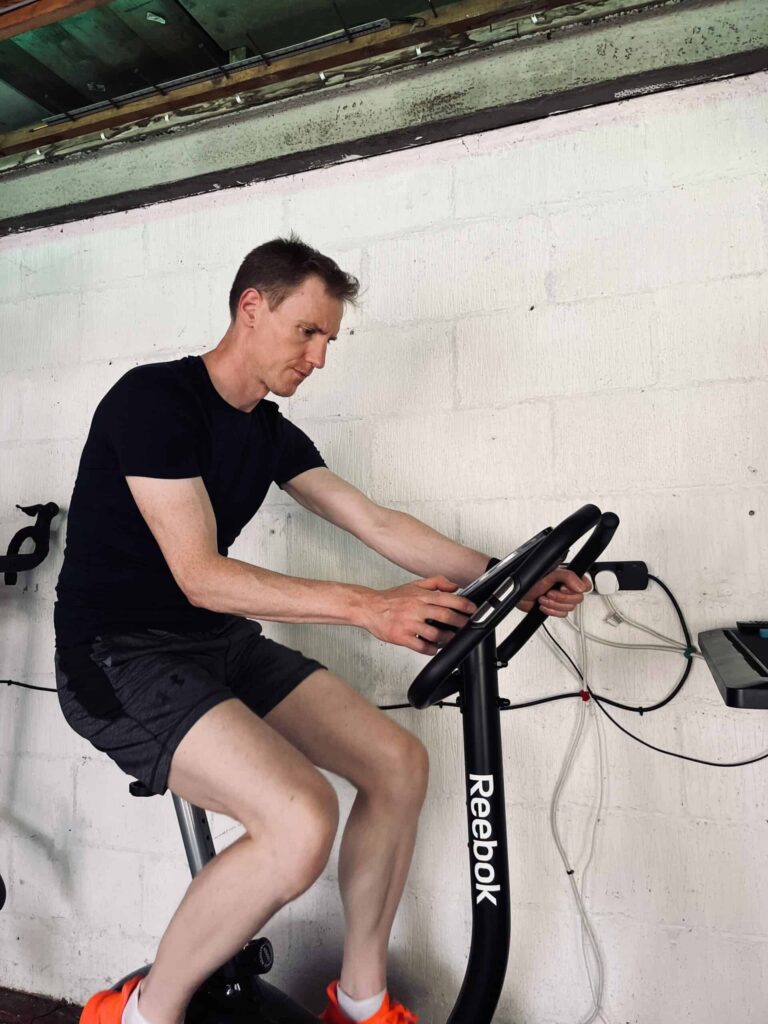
<point>315,306</point>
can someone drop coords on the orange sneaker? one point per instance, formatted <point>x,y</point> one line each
<point>388,1012</point>
<point>107,1007</point>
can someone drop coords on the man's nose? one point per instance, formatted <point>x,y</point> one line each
<point>316,352</point>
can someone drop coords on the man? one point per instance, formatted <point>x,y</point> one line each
<point>159,665</point>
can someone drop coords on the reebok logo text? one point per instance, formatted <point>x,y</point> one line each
<point>483,844</point>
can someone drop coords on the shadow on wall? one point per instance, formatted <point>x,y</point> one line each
<point>417,978</point>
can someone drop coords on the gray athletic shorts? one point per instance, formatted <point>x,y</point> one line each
<point>135,695</point>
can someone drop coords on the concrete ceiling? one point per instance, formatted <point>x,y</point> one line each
<point>358,88</point>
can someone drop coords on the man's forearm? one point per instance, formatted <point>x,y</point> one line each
<point>414,546</point>
<point>238,588</point>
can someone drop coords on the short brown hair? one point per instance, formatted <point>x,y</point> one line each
<point>278,267</point>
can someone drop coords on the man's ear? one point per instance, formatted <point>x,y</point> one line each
<point>250,304</point>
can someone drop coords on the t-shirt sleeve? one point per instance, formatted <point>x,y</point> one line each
<point>153,427</point>
<point>296,452</point>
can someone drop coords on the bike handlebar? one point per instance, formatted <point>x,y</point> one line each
<point>429,686</point>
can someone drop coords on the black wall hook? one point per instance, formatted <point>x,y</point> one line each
<point>13,563</point>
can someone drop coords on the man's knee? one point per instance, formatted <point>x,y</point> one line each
<point>301,835</point>
<point>401,766</point>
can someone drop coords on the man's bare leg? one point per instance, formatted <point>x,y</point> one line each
<point>231,761</point>
<point>338,730</point>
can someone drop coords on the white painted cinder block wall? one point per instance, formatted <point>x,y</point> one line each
<point>565,311</point>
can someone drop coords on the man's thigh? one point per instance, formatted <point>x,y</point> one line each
<point>233,762</point>
<point>336,728</point>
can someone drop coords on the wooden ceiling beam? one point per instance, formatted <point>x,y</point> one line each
<point>451,21</point>
<point>16,20</point>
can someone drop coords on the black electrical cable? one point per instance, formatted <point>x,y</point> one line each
<point>560,647</point>
<point>659,704</point>
<point>672,753</point>
<point>688,653</point>
<point>675,605</point>
<point>638,710</point>
<point>600,700</point>
<point>27,686</point>
<point>543,700</point>
<point>397,707</point>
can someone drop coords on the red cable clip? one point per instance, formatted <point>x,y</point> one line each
<point>584,695</point>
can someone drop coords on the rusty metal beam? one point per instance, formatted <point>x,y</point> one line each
<point>450,21</point>
<point>41,12</point>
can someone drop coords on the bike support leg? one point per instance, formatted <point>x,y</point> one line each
<point>486,822</point>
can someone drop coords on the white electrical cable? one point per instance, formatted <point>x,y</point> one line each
<point>669,644</point>
<point>597,721</point>
<point>641,626</point>
<point>597,985</point>
<point>674,648</point>
<point>589,940</point>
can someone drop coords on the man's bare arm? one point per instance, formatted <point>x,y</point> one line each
<point>180,516</point>
<point>415,546</point>
<point>396,536</point>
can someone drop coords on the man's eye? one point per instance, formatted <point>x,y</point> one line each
<point>308,332</point>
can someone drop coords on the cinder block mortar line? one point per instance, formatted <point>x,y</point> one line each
<point>538,208</point>
<point>279,502</point>
<point>598,200</point>
<point>15,444</point>
<point>398,417</point>
<point>606,915</point>
<point>117,926</point>
<point>554,496</point>
<point>567,495</point>
<point>738,936</point>
<point>491,311</point>
<point>369,325</point>
<point>646,389</point>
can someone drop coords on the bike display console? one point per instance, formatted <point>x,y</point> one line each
<point>738,660</point>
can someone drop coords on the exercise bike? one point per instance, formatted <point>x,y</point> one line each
<point>468,666</point>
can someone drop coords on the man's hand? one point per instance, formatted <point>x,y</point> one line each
<point>558,593</point>
<point>399,615</point>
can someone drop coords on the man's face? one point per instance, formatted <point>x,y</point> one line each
<point>290,341</point>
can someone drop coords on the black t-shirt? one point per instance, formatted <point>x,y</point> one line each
<point>162,420</point>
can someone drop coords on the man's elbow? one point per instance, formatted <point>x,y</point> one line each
<point>195,581</point>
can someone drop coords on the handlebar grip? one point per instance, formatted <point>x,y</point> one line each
<point>596,545</point>
<point>581,563</point>
<point>551,550</point>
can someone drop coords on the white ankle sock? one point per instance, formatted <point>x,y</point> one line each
<point>131,1012</point>
<point>355,1009</point>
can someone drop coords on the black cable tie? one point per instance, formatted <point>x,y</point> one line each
<point>570,871</point>
<point>641,711</point>
<point>257,49</point>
